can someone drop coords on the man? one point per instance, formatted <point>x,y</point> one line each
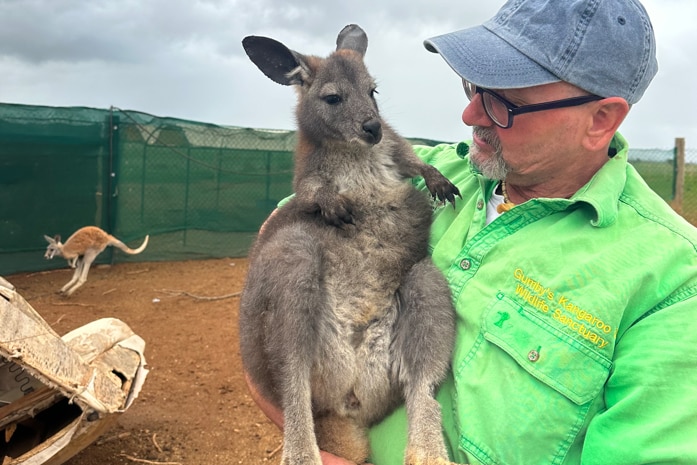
<point>575,284</point>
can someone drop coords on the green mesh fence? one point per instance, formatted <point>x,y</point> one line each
<point>659,168</point>
<point>202,190</point>
<point>54,166</point>
<point>199,190</point>
<point>689,204</point>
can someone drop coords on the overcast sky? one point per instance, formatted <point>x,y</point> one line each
<point>183,58</point>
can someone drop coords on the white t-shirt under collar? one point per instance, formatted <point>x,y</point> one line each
<point>495,200</point>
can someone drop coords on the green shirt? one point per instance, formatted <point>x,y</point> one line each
<point>576,325</point>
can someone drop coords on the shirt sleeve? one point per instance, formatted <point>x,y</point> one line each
<point>429,154</point>
<point>651,394</point>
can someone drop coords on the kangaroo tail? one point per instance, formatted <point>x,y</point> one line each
<point>117,243</point>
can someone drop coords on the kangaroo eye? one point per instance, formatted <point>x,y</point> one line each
<point>332,99</point>
<point>373,93</point>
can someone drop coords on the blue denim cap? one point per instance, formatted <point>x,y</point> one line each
<point>606,47</point>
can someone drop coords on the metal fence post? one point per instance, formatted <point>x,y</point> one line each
<point>112,183</point>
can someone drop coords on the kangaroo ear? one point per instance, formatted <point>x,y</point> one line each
<point>275,60</point>
<point>352,37</point>
<point>49,239</point>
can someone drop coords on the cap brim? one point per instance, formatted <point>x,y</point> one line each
<point>486,60</point>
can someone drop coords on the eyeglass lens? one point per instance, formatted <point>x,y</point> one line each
<point>495,108</point>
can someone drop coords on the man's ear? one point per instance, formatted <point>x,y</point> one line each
<point>606,117</point>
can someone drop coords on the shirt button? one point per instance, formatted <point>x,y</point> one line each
<point>465,264</point>
<point>533,355</point>
<point>480,204</point>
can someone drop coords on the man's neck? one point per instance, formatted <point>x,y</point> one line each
<point>561,184</point>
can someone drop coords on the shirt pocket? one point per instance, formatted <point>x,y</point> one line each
<point>523,392</point>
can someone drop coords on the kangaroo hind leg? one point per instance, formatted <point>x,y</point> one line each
<point>284,295</point>
<point>81,272</point>
<point>422,345</point>
<point>76,274</point>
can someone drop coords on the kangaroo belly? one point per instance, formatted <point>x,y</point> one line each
<point>351,377</point>
<point>362,274</point>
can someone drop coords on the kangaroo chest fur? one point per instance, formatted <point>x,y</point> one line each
<point>366,262</point>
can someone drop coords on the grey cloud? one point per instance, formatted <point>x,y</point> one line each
<point>130,30</point>
<point>141,30</point>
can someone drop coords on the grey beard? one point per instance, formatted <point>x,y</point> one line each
<point>493,167</point>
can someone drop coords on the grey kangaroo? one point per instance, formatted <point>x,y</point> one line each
<point>343,315</point>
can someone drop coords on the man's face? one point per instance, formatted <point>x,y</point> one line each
<point>536,146</point>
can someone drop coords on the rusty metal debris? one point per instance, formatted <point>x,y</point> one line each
<point>59,394</point>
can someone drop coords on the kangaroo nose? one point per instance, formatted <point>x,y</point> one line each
<point>373,131</point>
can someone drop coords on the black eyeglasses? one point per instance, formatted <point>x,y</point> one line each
<point>501,111</point>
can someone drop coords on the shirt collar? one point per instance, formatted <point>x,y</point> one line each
<point>603,191</point>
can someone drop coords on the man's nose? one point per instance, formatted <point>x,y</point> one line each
<point>474,113</point>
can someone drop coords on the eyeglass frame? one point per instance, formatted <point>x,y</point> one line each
<point>512,109</point>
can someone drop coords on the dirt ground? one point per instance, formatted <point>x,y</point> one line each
<point>194,407</point>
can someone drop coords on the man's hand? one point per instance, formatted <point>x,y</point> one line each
<point>272,412</point>
<point>331,459</point>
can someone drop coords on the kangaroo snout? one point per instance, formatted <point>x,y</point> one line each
<point>372,131</point>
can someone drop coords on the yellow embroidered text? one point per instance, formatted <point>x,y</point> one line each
<point>565,312</point>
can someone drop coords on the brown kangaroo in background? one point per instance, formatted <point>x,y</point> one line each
<point>81,249</point>
<point>343,315</point>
